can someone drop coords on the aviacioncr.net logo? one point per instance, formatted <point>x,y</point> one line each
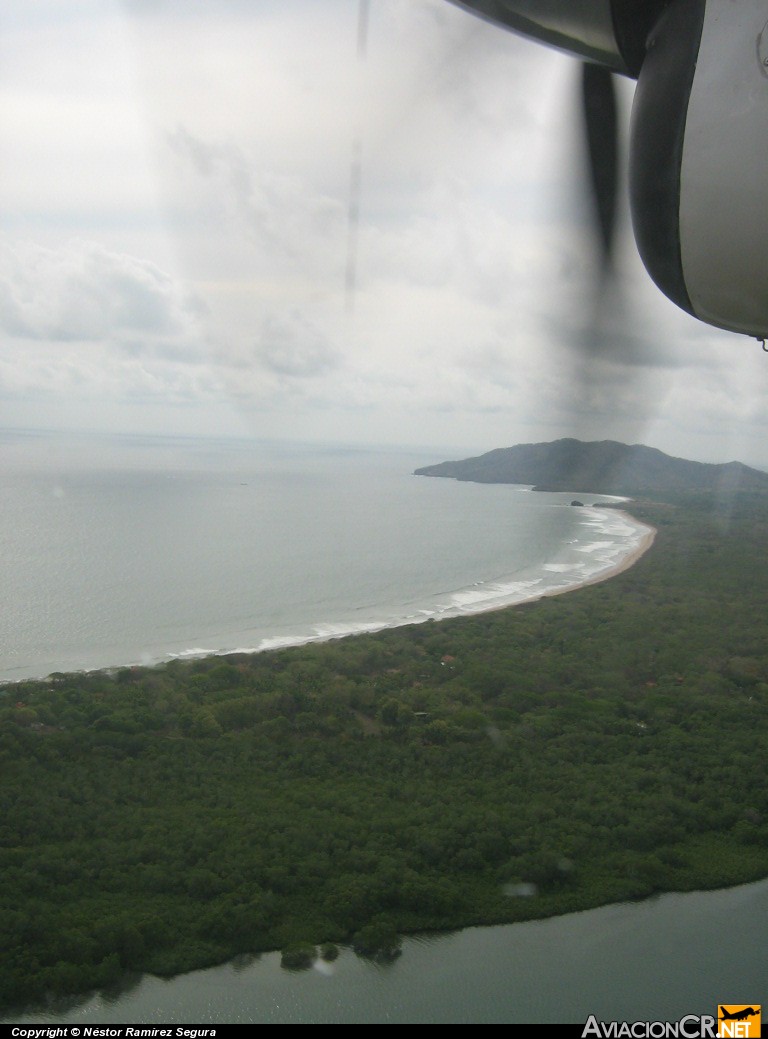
<point>739,1020</point>
<point>733,1021</point>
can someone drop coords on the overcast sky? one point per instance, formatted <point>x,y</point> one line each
<point>175,199</point>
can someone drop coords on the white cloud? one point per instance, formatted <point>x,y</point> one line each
<point>286,221</point>
<point>85,292</point>
<point>290,345</point>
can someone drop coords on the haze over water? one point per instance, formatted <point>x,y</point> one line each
<point>126,550</point>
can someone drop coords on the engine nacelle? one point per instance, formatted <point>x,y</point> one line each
<point>699,161</point>
<point>608,32</point>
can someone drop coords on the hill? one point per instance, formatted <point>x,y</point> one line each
<point>605,467</point>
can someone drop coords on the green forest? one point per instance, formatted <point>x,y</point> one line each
<point>599,746</point>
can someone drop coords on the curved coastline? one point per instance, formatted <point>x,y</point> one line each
<point>452,611</point>
<point>509,596</point>
<point>502,594</point>
<point>627,560</point>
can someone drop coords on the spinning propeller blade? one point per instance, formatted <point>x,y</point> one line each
<point>600,124</point>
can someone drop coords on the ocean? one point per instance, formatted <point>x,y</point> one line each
<point>121,550</point>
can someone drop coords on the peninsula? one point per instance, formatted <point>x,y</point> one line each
<point>603,467</point>
<point>566,753</point>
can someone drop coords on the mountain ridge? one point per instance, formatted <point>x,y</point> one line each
<point>599,467</point>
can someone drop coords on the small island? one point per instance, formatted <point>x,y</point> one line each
<point>588,748</point>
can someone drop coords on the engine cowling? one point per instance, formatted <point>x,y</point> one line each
<point>698,162</point>
<point>608,32</point>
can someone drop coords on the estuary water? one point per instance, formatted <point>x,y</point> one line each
<point>132,550</point>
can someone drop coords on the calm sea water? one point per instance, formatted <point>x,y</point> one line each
<point>127,550</point>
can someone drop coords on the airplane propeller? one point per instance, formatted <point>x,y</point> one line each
<point>600,119</point>
<point>356,170</point>
<point>598,97</point>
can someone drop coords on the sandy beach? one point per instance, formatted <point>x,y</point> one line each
<point>624,564</point>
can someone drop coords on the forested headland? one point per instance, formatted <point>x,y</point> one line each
<point>604,465</point>
<point>594,747</point>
